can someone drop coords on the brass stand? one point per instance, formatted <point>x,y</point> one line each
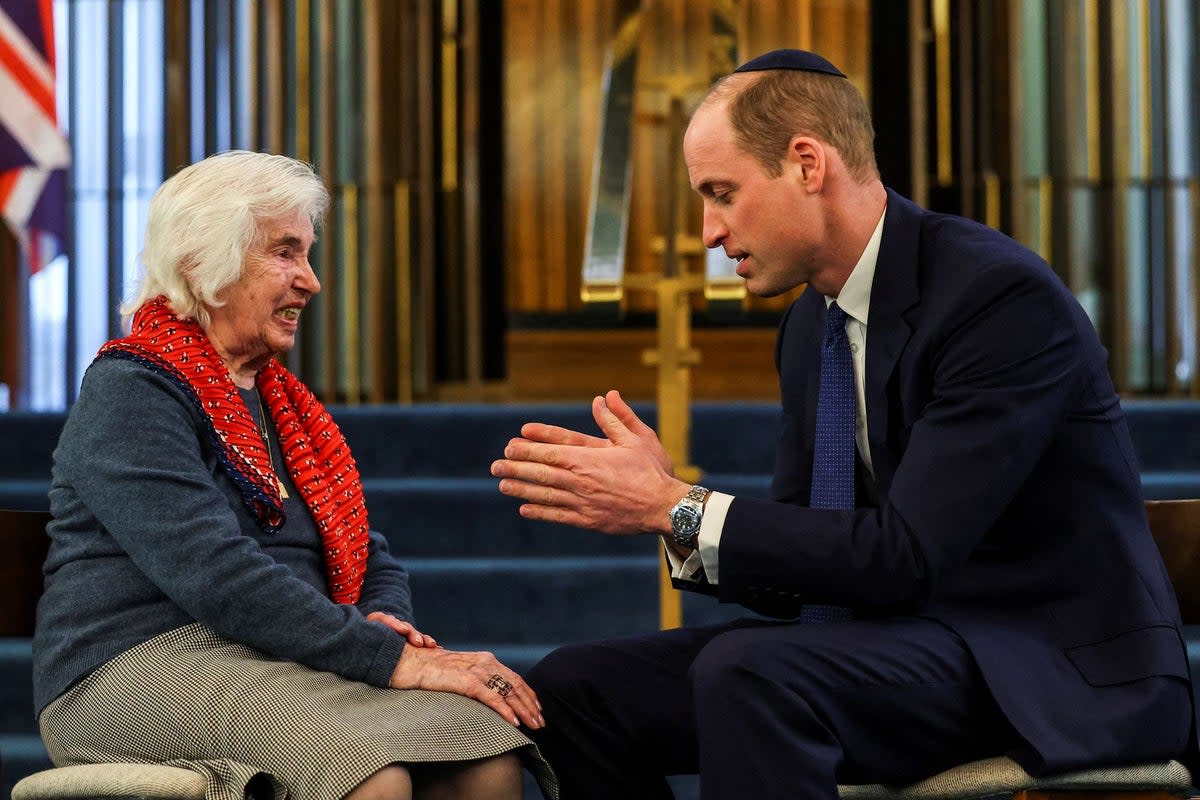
<point>674,356</point>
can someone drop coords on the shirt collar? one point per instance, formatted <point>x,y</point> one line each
<point>855,297</point>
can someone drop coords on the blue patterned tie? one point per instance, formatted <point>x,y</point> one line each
<point>833,451</point>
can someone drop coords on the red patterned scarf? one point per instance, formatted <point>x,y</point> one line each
<point>317,456</point>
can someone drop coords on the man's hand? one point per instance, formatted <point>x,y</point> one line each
<point>406,629</point>
<point>476,675</point>
<point>621,484</point>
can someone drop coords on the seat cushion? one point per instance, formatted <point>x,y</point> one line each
<point>105,781</point>
<point>1003,776</point>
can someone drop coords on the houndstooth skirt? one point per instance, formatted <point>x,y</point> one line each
<point>251,723</point>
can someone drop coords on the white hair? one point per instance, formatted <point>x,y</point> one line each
<point>206,217</point>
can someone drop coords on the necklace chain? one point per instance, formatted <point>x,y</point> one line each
<point>265,430</point>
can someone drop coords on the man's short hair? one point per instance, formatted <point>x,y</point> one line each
<point>771,107</point>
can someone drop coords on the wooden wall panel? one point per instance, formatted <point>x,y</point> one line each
<point>576,365</point>
<point>522,96</point>
<point>554,56</point>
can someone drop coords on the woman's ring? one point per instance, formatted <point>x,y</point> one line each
<point>501,686</point>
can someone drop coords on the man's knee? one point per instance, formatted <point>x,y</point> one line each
<point>563,670</point>
<point>743,663</point>
<point>723,669</point>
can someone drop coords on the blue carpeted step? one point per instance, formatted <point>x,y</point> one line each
<point>1166,434</point>
<point>448,517</point>
<point>425,517</point>
<point>21,755</point>
<point>448,439</point>
<point>726,437</point>
<point>25,494</point>
<point>1181,485</point>
<point>517,657</point>
<point>430,516</point>
<point>748,485</point>
<point>27,441</point>
<point>444,439</point>
<point>445,517</point>
<point>441,518</point>
<point>524,600</point>
<point>16,687</point>
<point>463,440</point>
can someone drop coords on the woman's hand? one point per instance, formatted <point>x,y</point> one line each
<point>405,629</point>
<point>476,675</point>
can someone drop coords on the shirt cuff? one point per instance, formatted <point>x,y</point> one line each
<point>712,525</point>
<point>703,560</point>
<point>683,570</point>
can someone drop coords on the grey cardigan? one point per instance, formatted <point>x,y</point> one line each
<point>150,534</point>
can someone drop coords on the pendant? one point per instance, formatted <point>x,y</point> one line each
<point>282,491</point>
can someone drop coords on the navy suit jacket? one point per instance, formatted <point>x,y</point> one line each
<point>1009,498</point>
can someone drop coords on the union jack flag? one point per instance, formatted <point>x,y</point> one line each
<point>34,153</point>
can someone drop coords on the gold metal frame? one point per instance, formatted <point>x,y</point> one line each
<point>942,90</point>
<point>351,311</point>
<point>403,299</point>
<point>918,127</point>
<point>1121,169</point>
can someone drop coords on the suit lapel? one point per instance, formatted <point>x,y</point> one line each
<point>893,293</point>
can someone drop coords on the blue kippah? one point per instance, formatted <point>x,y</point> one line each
<point>790,59</point>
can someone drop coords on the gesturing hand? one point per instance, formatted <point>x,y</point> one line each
<point>616,419</point>
<point>405,629</point>
<point>621,484</point>
<point>476,675</point>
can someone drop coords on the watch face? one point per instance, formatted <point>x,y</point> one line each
<point>685,520</point>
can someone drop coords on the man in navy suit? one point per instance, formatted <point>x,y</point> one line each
<point>995,587</point>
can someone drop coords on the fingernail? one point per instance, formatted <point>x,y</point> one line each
<point>539,704</point>
<point>508,452</point>
<point>541,721</point>
<point>516,722</point>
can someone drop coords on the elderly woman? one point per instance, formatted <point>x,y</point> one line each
<point>214,597</point>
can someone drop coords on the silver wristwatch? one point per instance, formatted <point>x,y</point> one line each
<point>686,516</point>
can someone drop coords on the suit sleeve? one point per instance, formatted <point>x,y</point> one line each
<point>1003,364</point>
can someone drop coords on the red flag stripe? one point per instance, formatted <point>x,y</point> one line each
<point>8,180</point>
<point>29,114</point>
<point>27,45</point>
<point>46,7</point>
<point>41,94</point>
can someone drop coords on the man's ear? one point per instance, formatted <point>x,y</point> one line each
<point>806,159</point>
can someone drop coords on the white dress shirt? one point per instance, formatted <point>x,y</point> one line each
<point>855,300</point>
